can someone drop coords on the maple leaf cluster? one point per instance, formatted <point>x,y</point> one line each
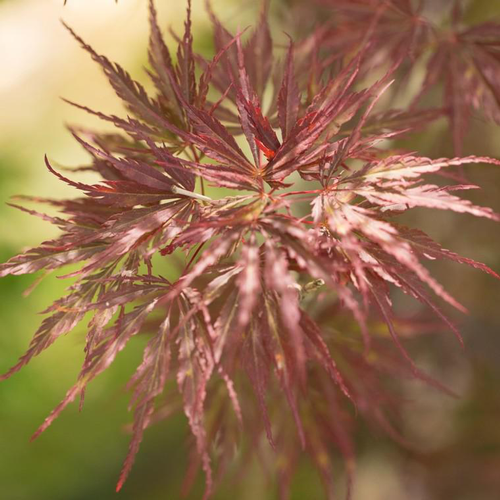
<point>461,63</point>
<point>301,234</point>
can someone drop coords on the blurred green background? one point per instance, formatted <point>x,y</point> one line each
<point>80,456</point>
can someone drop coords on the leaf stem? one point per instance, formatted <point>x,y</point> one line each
<point>190,194</point>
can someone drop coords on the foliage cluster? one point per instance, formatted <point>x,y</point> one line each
<point>253,337</point>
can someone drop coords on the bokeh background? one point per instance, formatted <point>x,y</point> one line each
<point>80,456</point>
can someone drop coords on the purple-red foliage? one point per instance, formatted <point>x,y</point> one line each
<point>302,230</point>
<point>462,62</point>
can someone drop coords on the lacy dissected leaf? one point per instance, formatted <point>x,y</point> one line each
<point>310,138</point>
<point>127,325</point>
<point>69,311</point>
<point>428,195</point>
<point>398,168</point>
<point>258,53</point>
<point>185,61</point>
<point>395,28</point>
<point>48,256</point>
<point>213,139</point>
<point>245,220</point>
<point>466,66</point>
<point>248,281</point>
<point>288,97</point>
<point>195,369</point>
<point>130,91</point>
<point>161,62</point>
<point>148,382</point>
<point>429,248</point>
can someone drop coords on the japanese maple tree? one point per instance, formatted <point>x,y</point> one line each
<point>303,232</point>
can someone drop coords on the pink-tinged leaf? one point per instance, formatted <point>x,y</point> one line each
<point>397,121</point>
<point>161,62</point>
<point>125,233</point>
<point>284,363</point>
<point>313,333</point>
<point>215,141</point>
<point>395,30</point>
<point>410,286</point>
<point>262,131</point>
<point>142,417</point>
<point>185,61</point>
<point>56,221</point>
<point>428,196</point>
<point>173,166</point>
<point>134,128</point>
<point>102,356</point>
<point>248,281</point>
<point>332,107</point>
<point>208,74</point>
<point>278,278</point>
<point>297,242</point>
<point>51,255</point>
<point>78,185</point>
<point>211,256</point>
<point>224,176</point>
<point>115,339</point>
<point>383,303</point>
<point>118,192</point>
<point>427,247</point>
<point>245,94</point>
<point>378,90</point>
<point>148,382</point>
<point>410,167</point>
<point>226,72</point>
<point>258,53</point>
<point>466,67</point>
<point>150,377</point>
<point>347,218</point>
<point>132,169</point>
<point>232,393</point>
<point>288,97</point>
<point>51,329</point>
<point>195,369</point>
<point>69,398</point>
<point>225,322</point>
<point>131,92</point>
<point>257,368</point>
